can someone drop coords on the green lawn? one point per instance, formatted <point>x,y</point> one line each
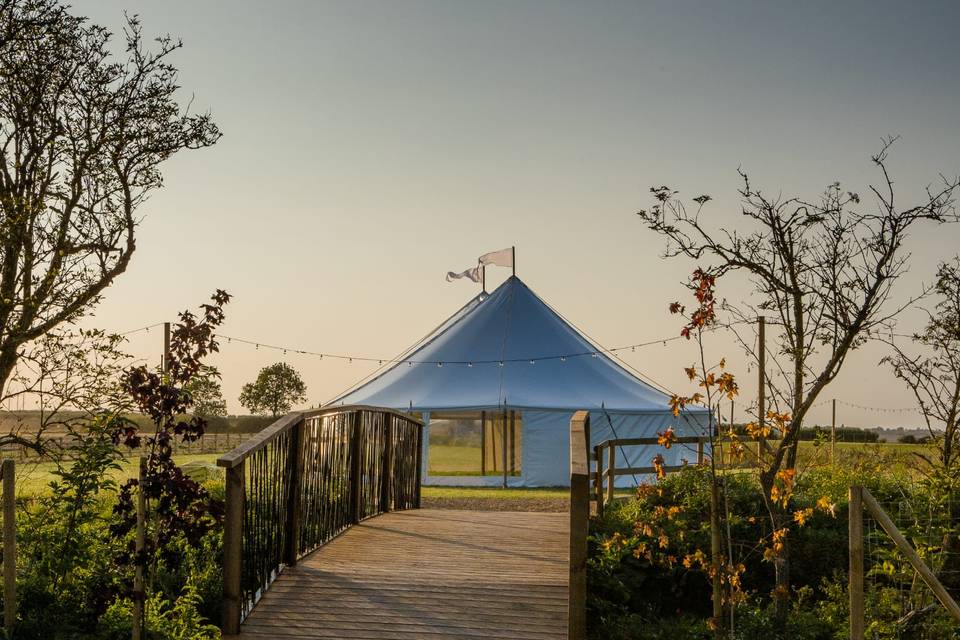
<point>33,478</point>
<point>458,460</point>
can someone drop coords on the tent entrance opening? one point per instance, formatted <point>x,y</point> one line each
<point>481,443</point>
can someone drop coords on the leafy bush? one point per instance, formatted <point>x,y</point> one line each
<point>638,595</point>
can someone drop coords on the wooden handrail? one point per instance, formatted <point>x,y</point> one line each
<point>579,524</point>
<point>235,456</point>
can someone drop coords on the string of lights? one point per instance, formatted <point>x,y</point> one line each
<point>879,409</point>
<point>146,328</point>
<point>614,351</point>
<point>440,363</point>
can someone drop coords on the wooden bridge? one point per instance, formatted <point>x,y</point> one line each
<point>324,538</point>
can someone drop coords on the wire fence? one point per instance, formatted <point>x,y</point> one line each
<point>898,602</point>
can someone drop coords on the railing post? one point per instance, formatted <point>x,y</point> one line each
<point>233,549</point>
<point>579,525</point>
<point>598,478</point>
<point>419,470</point>
<point>855,579</point>
<point>356,451</point>
<point>386,470</point>
<point>294,465</point>
<point>9,546</point>
<point>611,472</point>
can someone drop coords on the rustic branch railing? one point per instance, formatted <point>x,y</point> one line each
<point>302,481</point>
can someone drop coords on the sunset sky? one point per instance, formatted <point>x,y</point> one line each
<point>369,147</point>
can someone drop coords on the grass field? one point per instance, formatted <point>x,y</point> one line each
<point>457,460</point>
<point>33,478</point>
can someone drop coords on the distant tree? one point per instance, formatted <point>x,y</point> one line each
<point>82,135</point>
<point>206,393</point>
<point>907,439</point>
<point>931,368</point>
<point>824,270</point>
<point>275,391</point>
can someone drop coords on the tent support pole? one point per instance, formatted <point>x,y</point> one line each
<point>503,442</point>
<point>483,443</point>
<point>513,259</point>
<point>513,441</point>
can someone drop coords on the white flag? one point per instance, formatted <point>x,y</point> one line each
<point>472,274</point>
<point>502,258</point>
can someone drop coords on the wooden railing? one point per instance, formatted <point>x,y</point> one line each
<point>302,481</point>
<point>579,525</point>
<point>604,455</point>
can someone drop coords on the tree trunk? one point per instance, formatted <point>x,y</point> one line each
<point>716,552</point>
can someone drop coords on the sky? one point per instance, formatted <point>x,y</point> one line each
<point>369,147</point>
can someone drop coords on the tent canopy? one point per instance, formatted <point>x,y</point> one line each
<point>503,350</point>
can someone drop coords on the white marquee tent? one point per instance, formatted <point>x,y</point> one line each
<point>505,374</point>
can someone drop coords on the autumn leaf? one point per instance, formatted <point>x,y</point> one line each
<point>666,438</point>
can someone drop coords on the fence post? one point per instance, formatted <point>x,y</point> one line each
<point>611,472</point>
<point>355,467</point>
<point>294,454</point>
<point>598,479</point>
<point>233,549</point>
<point>9,546</point>
<point>579,525</point>
<point>418,474</point>
<point>386,470</point>
<point>856,563</point>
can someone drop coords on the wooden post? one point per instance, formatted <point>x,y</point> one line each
<point>483,442</point>
<point>233,549</point>
<point>761,392</point>
<point>166,350</point>
<point>139,591</point>
<point>611,471</point>
<point>419,469</point>
<point>911,554</point>
<point>294,465</point>
<point>856,563</point>
<point>833,432</point>
<point>386,467</point>
<point>356,453</point>
<point>9,546</point>
<point>579,525</point>
<point>598,478</point>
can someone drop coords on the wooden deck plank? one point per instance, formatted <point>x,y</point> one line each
<point>431,574</point>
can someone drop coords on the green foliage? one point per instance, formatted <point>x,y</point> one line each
<point>275,391</point>
<point>206,394</point>
<point>634,597</point>
<point>164,620</point>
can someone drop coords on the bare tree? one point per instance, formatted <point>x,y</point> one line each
<point>823,269</point>
<point>933,372</point>
<point>69,375</point>
<point>82,135</point>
